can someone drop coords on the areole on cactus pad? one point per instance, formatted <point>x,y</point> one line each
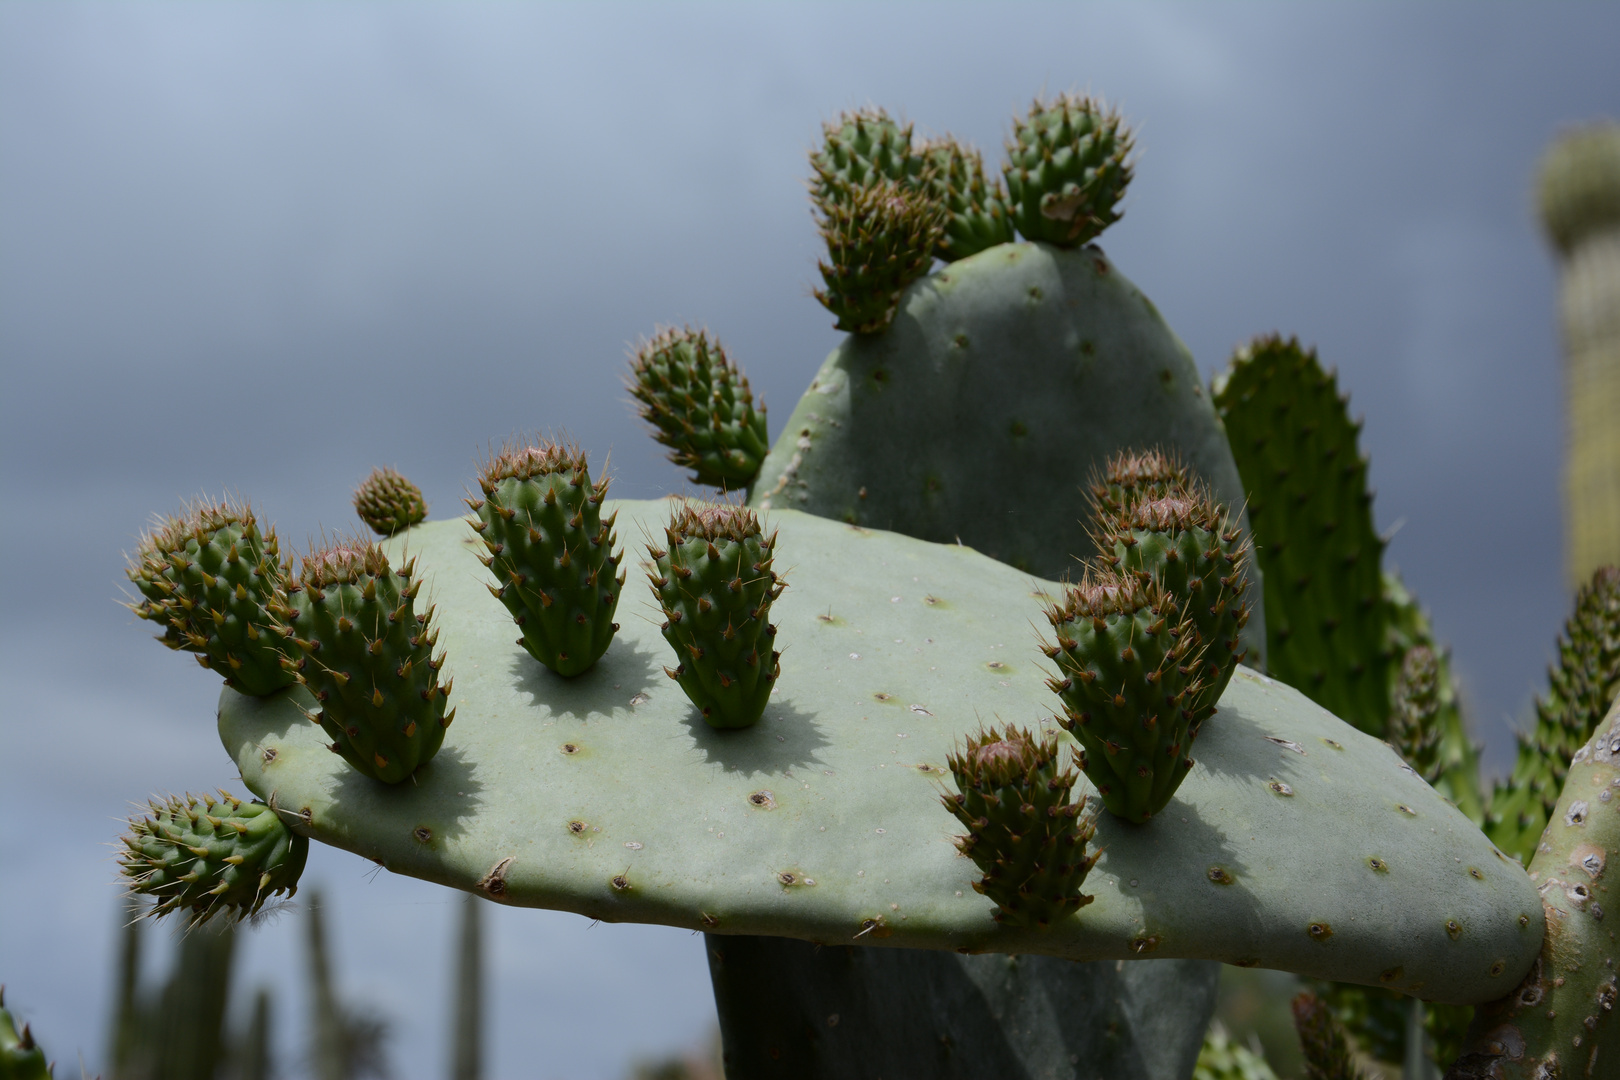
<point>1295,842</point>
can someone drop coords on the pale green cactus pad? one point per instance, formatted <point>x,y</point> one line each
<point>1296,842</point>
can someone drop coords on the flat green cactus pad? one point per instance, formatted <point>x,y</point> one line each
<point>1295,843</point>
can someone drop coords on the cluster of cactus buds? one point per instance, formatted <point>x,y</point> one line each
<point>389,503</point>
<point>714,582</point>
<point>208,857</point>
<point>1130,679</point>
<point>552,552</point>
<point>356,640</point>
<point>207,578</point>
<point>1025,830</point>
<point>699,405</point>
<point>1068,164</point>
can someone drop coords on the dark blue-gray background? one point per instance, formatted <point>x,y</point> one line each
<point>265,248</point>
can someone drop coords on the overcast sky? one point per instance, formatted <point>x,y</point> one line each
<point>265,248</point>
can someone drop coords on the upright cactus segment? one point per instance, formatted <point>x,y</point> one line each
<point>366,654</point>
<point>978,217</point>
<point>1188,544</point>
<point>208,578</point>
<point>20,1056</point>
<point>1068,165</point>
<point>1130,676</point>
<point>714,582</point>
<point>1414,721</point>
<point>1024,830</point>
<point>551,550</point>
<point>1580,207</point>
<point>1311,513</point>
<point>209,857</point>
<point>880,238</point>
<point>389,503</point>
<point>865,148</point>
<point>1580,688</point>
<point>699,405</point>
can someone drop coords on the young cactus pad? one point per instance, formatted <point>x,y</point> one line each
<point>1297,843</point>
<point>210,856</point>
<point>206,578</point>
<point>713,580</point>
<point>1007,380</point>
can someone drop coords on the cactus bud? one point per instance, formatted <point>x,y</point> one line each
<point>977,211</point>
<point>1067,168</point>
<point>389,503</point>
<point>864,148</point>
<point>880,240</point>
<point>700,406</point>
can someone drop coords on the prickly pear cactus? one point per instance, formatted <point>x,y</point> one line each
<point>1024,829</point>
<point>20,1056</point>
<point>1414,721</point>
<point>388,503</point>
<point>865,148</point>
<point>977,208</point>
<point>715,585</point>
<point>207,857</point>
<point>1298,843</point>
<point>1068,165</point>
<point>880,238</point>
<point>1328,1055</point>
<point>1580,688</point>
<point>1189,545</point>
<point>1560,1020</point>
<point>358,643</point>
<point>700,406</point>
<point>541,525</point>
<point>206,578</point>
<point>1311,513</point>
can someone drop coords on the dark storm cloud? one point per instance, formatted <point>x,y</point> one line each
<point>266,248</point>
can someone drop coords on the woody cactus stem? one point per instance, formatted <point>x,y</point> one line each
<point>1560,1021</point>
<point>1024,830</point>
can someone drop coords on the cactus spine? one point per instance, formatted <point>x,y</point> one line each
<point>715,585</point>
<point>366,655</point>
<point>552,552</point>
<point>1024,829</point>
<point>208,578</point>
<point>700,406</point>
<point>1580,208</point>
<point>389,503</point>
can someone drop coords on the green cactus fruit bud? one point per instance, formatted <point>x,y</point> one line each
<point>1322,1038</point>
<point>1067,168</point>
<point>881,239</point>
<point>714,582</point>
<point>541,524</point>
<point>1311,514</point>
<point>359,645</point>
<point>1024,829</point>
<point>978,216</point>
<point>389,503</point>
<point>700,406</point>
<point>208,577</point>
<point>1128,478</point>
<point>1580,687</point>
<point>1579,188</point>
<point>864,148</point>
<point>1129,677</point>
<point>208,856</point>
<point>20,1056</point>
<point>1223,1058</point>
<point>1414,720</point>
<point>1187,543</point>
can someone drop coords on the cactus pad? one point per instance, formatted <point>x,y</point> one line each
<point>389,503</point>
<point>1130,676</point>
<point>880,239</point>
<point>1023,828</point>
<point>1298,843</point>
<point>715,586</point>
<point>1067,168</point>
<point>540,522</point>
<point>978,209</point>
<point>207,577</point>
<point>700,406</point>
<point>208,857</point>
<point>1311,513</point>
<point>358,643</point>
